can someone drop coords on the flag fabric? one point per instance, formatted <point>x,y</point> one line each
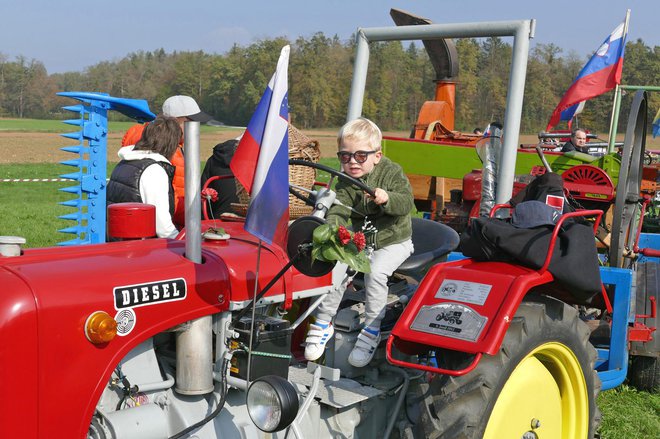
<point>572,111</point>
<point>261,160</point>
<point>601,74</point>
<point>656,125</point>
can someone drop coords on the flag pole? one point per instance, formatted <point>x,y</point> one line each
<point>614,119</point>
<point>616,104</point>
<point>254,308</point>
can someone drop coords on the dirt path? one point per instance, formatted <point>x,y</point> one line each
<point>45,147</point>
<point>22,147</point>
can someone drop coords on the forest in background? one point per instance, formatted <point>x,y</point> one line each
<point>400,80</point>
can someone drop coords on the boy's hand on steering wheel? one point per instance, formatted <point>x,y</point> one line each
<point>381,196</point>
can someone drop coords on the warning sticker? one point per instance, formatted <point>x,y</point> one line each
<point>125,319</point>
<point>450,320</point>
<point>462,291</point>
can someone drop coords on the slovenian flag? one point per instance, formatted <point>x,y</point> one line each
<point>261,161</point>
<point>601,74</point>
<point>572,111</point>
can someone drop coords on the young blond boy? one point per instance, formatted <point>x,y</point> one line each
<point>389,211</point>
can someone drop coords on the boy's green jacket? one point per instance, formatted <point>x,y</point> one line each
<point>392,222</point>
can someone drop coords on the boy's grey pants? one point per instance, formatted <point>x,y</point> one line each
<point>383,263</point>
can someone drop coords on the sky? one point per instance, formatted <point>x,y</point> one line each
<point>70,35</point>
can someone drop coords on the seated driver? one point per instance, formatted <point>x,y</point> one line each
<point>389,212</point>
<point>577,143</point>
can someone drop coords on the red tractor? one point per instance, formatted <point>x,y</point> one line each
<point>168,338</point>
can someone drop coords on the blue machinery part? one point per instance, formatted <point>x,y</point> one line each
<point>91,161</point>
<point>612,362</point>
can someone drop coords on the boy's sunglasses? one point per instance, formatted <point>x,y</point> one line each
<point>359,156</point>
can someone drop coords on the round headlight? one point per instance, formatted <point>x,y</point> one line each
<point>272,403</point>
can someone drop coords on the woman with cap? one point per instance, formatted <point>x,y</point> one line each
<point>182,108</point>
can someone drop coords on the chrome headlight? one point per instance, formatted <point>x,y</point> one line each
<point>272,403</point>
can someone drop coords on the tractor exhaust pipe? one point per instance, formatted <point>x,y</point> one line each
<point>444,59</point>
<point>194,345</point>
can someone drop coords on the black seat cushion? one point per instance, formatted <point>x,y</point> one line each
<point>432,242</point>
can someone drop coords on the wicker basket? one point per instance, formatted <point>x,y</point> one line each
<point>300,147</point>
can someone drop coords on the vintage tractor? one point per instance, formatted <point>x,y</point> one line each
<point>438,157</point>
<point>200,336</point>
<point>446,171</point>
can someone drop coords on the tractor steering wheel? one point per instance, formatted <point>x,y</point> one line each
<point>300,231</point>
<point>334,172</point>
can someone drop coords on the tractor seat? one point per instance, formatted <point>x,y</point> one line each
<point>433,241</point>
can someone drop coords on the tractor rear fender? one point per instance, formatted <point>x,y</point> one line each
<point>465,306</point>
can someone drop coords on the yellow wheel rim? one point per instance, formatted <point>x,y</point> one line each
<point>545,397</point>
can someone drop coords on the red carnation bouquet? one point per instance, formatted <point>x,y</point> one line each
<point>337,243</point>
<point>210,194</point>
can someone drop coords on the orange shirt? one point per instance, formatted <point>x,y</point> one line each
<point>179,184</point>
<point>133,134</point>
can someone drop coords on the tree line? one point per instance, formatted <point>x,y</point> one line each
<point>400,80</point>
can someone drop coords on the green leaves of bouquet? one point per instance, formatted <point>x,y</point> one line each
<point>336,243</point>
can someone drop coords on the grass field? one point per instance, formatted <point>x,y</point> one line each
<point>30,209</point>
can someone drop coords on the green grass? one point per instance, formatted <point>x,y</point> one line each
<point>628,413</point>
<point>31,209</point>
<point>57,126</point>
<point>30,170</point>
<point>323,176</point>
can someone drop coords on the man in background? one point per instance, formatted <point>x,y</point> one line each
<point>577,143</point>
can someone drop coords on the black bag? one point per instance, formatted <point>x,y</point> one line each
<point>548,184</point>
<point>574,262</point>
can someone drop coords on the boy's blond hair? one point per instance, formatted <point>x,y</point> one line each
<point>361,129</point>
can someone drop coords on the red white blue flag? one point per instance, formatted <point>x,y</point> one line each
<point>572,111</point>
<point>261,161</point>
<point>601,74</point>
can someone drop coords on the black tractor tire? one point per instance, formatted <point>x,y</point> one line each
<point>644,373</point>
<point>461,407</point>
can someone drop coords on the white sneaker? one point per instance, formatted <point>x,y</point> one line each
<point>317,339</point>
<point>364,350</point>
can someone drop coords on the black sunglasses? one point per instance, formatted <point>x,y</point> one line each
<point>359,156</point>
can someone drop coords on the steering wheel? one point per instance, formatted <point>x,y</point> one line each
<point>299,237</point>
<point>648,158</point>
<point>306,198</point>
<point>334,172</point>
<point>626,206</point>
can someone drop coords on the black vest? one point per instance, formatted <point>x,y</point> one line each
<point>124,184</point>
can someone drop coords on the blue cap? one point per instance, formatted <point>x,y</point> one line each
<point>533,213</point>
